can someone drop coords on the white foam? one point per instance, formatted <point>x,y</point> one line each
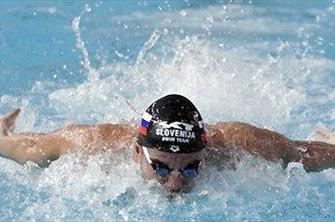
<point>241,84</point>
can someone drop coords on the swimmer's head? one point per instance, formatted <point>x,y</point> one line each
<point>171,142</point>
<point>172,124</point>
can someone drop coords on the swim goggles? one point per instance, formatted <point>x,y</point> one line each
<point>163,170</point>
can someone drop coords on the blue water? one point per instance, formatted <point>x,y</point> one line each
<point>269,63</point>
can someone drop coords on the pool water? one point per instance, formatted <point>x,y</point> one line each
<point>271,64</point>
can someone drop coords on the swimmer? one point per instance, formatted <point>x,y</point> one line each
<point>170,145</point>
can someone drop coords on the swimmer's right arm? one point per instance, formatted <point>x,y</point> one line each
<point>43,148</point>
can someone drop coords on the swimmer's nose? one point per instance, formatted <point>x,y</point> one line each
<point>175,182</point>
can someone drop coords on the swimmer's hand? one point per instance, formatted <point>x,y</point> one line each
<point>7,123</point>
<point>324,135</point>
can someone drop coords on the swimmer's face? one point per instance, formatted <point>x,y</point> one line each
<point>175,171</point>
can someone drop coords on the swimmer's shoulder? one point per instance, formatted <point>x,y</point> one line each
<point>236,129</point>
<point>222,136</point>
<point>114,134</point>
<point>97,137</point>
<point>243,135</point>
<point>221,131</point>
<point>120,129</point>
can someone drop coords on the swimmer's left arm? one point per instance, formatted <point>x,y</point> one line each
<point>314,155</point>
<point>271,145</point>
<point>238,135</point>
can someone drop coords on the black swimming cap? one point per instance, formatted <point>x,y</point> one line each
<point>172,124</point>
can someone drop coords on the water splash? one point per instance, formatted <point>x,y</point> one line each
<point>92,73</point>
<point>149,44</point>
<point>79,187</point>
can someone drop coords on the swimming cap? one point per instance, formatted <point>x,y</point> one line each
<point>172,124</point>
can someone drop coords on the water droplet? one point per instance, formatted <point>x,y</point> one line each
<point>52,10</point>
<point>210,19</point>
<point>183,13</point>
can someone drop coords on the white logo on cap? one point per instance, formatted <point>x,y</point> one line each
<point>176,125</point>
<point>174,148</point>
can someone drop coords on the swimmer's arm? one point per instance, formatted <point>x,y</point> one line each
<point>43,148</point>
<point>37,148</point>
<point>238,135</point>
<point>314,155</point>
<point>271,145</point>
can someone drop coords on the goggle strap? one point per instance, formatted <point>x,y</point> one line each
<point>146,154</point>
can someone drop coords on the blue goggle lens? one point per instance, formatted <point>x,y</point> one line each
<point>189,172</point>
<point>163,170</point>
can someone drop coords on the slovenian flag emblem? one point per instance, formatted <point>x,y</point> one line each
<point>146,118</point>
